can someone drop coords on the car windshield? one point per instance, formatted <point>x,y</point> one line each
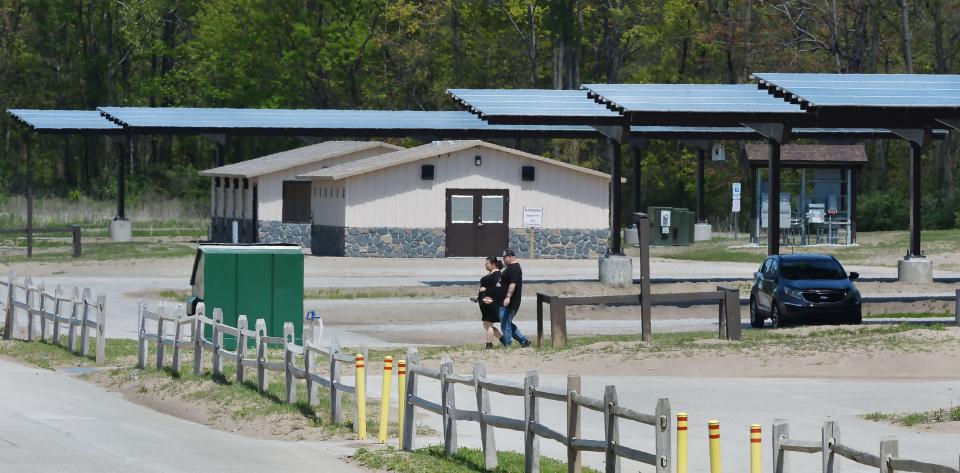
<point>812,269</point>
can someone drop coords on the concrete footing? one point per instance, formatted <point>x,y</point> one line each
<point>616,271</point>
<point>915,269</point>
<point>120,230</point>
<point>702,232</point>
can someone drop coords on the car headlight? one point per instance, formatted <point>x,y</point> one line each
<point>793,292</point>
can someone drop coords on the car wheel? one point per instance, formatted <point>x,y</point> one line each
<point>776,316</point>
<point>856,318</point>
<point>756,320</point>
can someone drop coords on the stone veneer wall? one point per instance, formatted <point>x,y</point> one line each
<point>327,240</point>
<point>272,231</point>
<point>394,242</point>
<point>556,243</point>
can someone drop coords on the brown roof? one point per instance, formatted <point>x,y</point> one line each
<point>811,155</point>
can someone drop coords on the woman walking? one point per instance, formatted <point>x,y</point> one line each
<point>489,297</point>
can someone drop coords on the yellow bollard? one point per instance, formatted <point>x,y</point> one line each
<point>401,397</point>
<point>361,395</point>
<point>385,400</point>
<point>755,465</point>
<point>681,442</point>
<point>713,428</point>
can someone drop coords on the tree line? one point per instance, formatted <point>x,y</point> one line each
<point>403,54</point>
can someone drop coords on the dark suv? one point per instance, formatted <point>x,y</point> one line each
<point>803,288</point>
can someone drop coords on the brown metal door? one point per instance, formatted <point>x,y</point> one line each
<point>477,222</point>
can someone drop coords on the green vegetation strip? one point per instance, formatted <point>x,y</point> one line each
<point>465,460</point>
<point>917,418</point>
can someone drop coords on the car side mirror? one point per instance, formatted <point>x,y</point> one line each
<point>854,275</point>
<point>756,274</point>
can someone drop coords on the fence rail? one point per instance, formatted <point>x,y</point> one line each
<point>300,362</point>
<point>727,298</point>
<point>887,460</point>
<point>73,230</point>
<point>79,314</point>
<point>532,393</point>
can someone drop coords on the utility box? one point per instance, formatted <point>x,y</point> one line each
<point>661,226</point>
<point>683,223</point>
<point>259,281</point>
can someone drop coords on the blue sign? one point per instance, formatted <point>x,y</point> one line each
<point>312,315</point>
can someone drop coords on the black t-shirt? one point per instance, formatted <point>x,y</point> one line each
<point>489,282</point>
<point>512,274</point>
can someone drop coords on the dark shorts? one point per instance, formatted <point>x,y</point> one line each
<point>490,312</point>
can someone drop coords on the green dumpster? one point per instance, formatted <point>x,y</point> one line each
<point>259,281</point>
<point>682,227</point>
<point>659,236</point>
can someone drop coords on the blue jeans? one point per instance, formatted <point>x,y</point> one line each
<point>509,329</point>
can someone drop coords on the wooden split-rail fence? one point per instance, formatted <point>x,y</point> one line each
<point>831,449</point>
<point>532,393</point>
<point>51,315</point>
<point>174,329</point>
<point>727,299</point>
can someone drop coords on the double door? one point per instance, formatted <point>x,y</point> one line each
<point>477,222</point>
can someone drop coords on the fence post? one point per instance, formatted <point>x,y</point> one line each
<point>831,436</point>
<point>487,440</point>
<point>177,331</point>
<point>75,229</point>
<point>261,327</point>
<point>643,232</point>
<point>540,320</point>
<point>573,423</point>
<point>531,404</point>
<point>30,305</point>
<point>74,314</point>
<point>558,322</point>
<point>730,313</point>
<point>242,327</point>
<point>336,413</point>
<point>161,313</point>
<point>217,342</point>
<point>889,448</point>
<point>198,328</point>
<point>84,330</point>
<point>8,320</point>
<point>663,436</point>
<point>448,406</point>
<point>956,307</point>
<point>780,431</point>
<point>30,314</point>
<point>288,357</point>
<point>409,414</point>
<point>611,428</point>
<point>101,329</point>
<point>57,294</point>
<point>141,337</point>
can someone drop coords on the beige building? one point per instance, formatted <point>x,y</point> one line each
<point>262,200</point>
<point>458,198</point>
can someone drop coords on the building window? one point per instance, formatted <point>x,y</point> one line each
<point>491,209</point>
<point>461,209</point>
<point>296,202</point>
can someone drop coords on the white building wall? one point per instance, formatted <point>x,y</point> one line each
<point>270,188</point>
<point>328,203</point>
<point>397,197</point>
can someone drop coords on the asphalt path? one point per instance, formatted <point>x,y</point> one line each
<point>50,421</point>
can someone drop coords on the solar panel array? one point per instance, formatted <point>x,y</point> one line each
<point>910,91</point>
<point>64,121</point>
<point>528,105</point>
<point>689,98</point>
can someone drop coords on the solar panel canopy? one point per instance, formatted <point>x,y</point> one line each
<point>865,90</point>
<point>65,121</point>
<point>326,122</point>
<point>535,106</point>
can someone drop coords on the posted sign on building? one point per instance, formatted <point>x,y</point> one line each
<point>532,217</point>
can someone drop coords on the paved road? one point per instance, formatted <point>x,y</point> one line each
<point>737,403</point>
<point>52,422</point>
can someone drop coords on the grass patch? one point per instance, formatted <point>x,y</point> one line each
<point>902,315</point>
<point>49,356</point>
<point>171,295</point>
<point>910,419</point>
<point>111,251</point>
<point>432,459</point>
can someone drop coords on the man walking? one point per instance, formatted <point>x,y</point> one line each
<point>511,282</point>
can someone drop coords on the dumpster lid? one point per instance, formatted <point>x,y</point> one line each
<point>252,248</point>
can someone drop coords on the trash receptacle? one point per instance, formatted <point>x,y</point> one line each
<point>661,233</point>
<point>682,227</point>
<point>259,281</point>
<point>631,236</point>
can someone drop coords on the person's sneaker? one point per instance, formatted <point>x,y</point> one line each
<point>525,343</point>
<point>489,345</point>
